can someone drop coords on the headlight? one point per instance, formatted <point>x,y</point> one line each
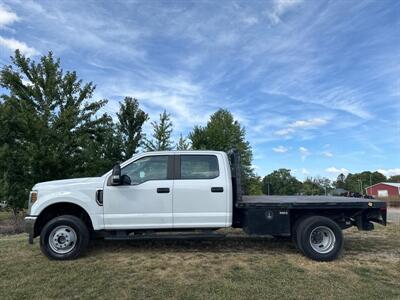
<point>33,196</point>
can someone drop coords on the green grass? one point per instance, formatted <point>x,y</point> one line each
<point>237,267</point>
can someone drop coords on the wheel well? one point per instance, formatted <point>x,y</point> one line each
<point>339,216</point>
<point>59,209</point>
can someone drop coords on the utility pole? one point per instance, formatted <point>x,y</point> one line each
<point>361,186</point>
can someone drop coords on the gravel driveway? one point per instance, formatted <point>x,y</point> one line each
<point>394,215</point>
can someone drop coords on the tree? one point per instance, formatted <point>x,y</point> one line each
<point>131,119</point>
<point>161,134</point>
<point>255,185</point>
<point>359,181</point>
<point>316,186</point>
<point>394,178</point>
<point>223,133</point>
<point>49,126</point>
<point>15,161</point>
<point>340,181</point>
<point>183,143</point>
<point>280,182</point>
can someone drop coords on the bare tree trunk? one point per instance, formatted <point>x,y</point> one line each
<point>15,216</point>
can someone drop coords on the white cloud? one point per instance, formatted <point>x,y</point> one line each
<point>280,149</point>
<point>177,94</point>
<point>327,153</point>
<point>284,131</point>
<point>7,16</point>
<point>304,152</point>
<point>305,171</point>
<point>250,20</point>
<point>308,123</point>
<point>334,170</point>
<point>280,7</point>
<point>13,44</point>
<point>301,124</point>
<point>389,172</point>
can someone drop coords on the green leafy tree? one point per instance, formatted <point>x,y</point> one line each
<point>183,143</point>
<point>394,178</point>
<point>359,181</point>
<point>130,121</point>
<point>316,186</point>
<point>161,137</point>
<point>340,181</point>
<point>103,151</point>
<point>223,133</point>
<point>49,126</point>
<point>15,159</point>
<point>280,182</point>
<point>255,185</point>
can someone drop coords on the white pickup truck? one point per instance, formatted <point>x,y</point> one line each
<point>185,194</point>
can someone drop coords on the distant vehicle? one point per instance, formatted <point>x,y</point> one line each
<point>3,204</point>
<point>186,195</point>
<point>356,195</point>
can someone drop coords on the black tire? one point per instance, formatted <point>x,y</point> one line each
<point>295,230</point>
<point>71,223</point>
<point>326,234</point>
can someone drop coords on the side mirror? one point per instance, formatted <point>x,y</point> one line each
<point>116,175</point>
<point>125,180</point>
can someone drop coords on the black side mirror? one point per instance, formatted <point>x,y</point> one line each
<point>125,180</point>
<point>116,175</point>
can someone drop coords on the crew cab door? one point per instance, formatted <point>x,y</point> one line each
<point>147,201</point>
<point>200,191</point>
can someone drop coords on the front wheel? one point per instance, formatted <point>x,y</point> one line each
<point>65,237</point>
<point>320,238</point>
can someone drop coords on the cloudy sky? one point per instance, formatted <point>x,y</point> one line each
<point>315,83</point>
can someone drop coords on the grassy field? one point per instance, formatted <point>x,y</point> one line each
<point>4,215</point>
<point>237,267</point>
<point>9,224</point>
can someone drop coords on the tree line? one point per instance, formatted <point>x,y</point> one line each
<point>52,128</point>
<point>281,182</point>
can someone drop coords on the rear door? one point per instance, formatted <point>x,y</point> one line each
<point>200,191</point>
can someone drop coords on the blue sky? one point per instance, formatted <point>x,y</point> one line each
<point>315,83</point>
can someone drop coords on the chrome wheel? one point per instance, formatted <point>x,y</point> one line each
<point>322,239</point>
<point>62,239</point>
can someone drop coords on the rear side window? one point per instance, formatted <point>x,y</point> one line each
<point>199,167</point>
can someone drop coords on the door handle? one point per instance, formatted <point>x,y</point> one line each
<point>217,189</point>
<point>163,190</point>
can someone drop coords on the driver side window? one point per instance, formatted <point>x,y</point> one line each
<point>147,168</point>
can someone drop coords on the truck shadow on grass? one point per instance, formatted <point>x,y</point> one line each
<point>380,242</point>
<point>235,244</point>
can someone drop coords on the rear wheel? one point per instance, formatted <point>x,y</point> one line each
<point>65,237</point>
<point>320,238</point>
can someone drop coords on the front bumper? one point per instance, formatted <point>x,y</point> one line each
<point>30,227</point>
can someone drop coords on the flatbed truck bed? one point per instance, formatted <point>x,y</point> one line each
<point>309,201</point>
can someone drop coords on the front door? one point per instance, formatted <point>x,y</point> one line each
<point>147,201</point>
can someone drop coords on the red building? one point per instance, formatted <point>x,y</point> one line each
<point>384,190</point>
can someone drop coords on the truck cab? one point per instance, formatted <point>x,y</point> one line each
<point>166,190</point>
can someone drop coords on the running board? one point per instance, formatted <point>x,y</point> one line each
<point>164,237</point>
